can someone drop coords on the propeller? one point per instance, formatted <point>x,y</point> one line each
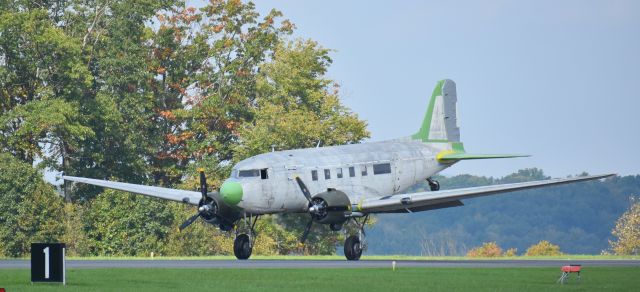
<point>303,238</point>
<point>314,208</point>
<point>189,221</point>
<point>206,205</point>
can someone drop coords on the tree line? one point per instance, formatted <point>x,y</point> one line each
<point>147,92</point>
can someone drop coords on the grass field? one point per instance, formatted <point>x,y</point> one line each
<point>409,279</point>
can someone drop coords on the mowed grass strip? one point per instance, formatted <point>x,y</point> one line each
<point>403,279</point>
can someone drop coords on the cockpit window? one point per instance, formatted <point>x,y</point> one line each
<point>262,173</point>
<point>249,173</point>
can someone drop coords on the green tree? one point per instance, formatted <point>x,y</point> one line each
<point>29,208</point>
<point>74,236</point>
<point>126,224</point>
<point>43,129</point>
<point>627,232</point>
<point>297,106</point>
<point>144,91</point>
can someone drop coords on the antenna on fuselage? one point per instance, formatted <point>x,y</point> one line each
<point>273,147</point>
<point>318,145</point>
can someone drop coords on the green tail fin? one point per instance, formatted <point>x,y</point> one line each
<point>440,121</point>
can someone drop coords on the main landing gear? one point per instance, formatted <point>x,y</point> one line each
<point>354,244</point>
<point>245,238</point>
<point>434,185</point>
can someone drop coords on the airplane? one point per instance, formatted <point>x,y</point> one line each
<point>337,185</point>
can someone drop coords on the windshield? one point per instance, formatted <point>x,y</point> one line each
<point>249,173</point>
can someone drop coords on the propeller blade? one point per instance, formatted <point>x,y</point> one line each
<point>306,232</point>
<point>203,184</point>
<point>304,189</point>
<point>189,221</point>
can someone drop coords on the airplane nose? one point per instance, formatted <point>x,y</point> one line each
<point>231,192</point>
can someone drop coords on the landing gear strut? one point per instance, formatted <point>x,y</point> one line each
<point>243,244</point>
<point>434,185</point>
<point>354,244</point>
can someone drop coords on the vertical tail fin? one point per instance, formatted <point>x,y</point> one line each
<point>440,123</point>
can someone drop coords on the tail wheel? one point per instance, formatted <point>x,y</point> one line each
<point>242,247</point>
<point>434,185</point>
<point>352,248</point>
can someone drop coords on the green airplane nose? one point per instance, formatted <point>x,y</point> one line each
<point>231,192</point>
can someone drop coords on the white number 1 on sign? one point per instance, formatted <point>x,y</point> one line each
<point>46,262</point>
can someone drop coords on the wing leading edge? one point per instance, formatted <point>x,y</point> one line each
<point>190,197</point>
<point>414,201</point>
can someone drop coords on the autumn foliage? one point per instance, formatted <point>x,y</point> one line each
<point>543,248</point>
<point>488,250</point>
<point>627,232</point>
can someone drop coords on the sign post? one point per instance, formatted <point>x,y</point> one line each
<point>47,263</point>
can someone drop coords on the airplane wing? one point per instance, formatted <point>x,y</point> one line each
<point>190,197</point>
<point>422,201</point>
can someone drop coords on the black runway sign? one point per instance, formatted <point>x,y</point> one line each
<point>47,262</point>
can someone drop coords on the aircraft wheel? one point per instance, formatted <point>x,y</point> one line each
<point>434,185</point>
<point>242,247</point>
<point>352,248</point>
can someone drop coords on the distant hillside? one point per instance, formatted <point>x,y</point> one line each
<point>578,217</point>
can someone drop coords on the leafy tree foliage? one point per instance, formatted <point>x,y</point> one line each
<point>127,224</point>
<point>29,208</point>
<point>543,248</point>
<point>627,232</point>
<point>488,250</point>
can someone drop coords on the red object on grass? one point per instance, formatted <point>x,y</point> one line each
<point>571,269</point>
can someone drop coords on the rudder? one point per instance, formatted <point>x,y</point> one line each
<point>440,123</point>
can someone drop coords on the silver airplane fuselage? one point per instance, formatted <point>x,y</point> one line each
<point>361,171</point>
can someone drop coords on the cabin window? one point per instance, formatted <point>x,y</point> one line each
<point>382,168</point>
<point>364,170</point>
<point>264,174</point>
<point>352,171</point>
<point>327,174</point>
<point>249,173</point>
<point>314,174</point>
<point>339,172</point>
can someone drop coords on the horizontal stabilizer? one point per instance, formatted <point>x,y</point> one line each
<point>447,156</point>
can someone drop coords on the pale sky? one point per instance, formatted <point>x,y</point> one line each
<point>558,80</point>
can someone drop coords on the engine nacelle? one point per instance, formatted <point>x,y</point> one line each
<point>330,207</point>
<point>220,213</point>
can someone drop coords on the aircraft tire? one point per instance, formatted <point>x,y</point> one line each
<point>435,186</point>
<point>242,247</point>
<point>352,248</point>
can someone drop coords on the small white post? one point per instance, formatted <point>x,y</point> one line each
<point>393,265</point>
<point>64,267</point>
